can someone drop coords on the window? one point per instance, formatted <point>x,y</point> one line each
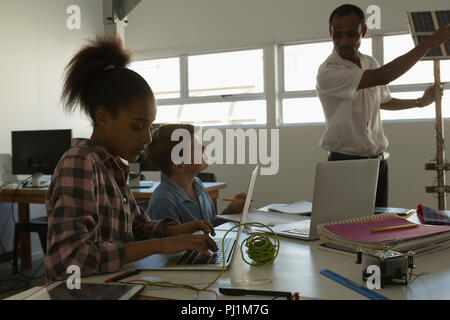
<point>300,103</point>
<point>226,73</point>
<point>299,65</point>
<point>215,114</point>
<point>216,89</point>
<point>294,110</point>
<point>413,83</point>
<point>417,113</point>
<point>422,71</point>
<point>228,88</point>
<point>162,75</point>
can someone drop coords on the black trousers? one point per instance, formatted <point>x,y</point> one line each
<point>381,199</point>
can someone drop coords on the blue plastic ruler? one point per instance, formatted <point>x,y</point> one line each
<point>352,285</point>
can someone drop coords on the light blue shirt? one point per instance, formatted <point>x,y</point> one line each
<point>170,200</point>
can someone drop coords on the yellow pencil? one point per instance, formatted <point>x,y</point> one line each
<point>227,199</point>
<point>406,226</point>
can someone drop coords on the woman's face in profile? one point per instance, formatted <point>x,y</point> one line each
<point>129,132</point>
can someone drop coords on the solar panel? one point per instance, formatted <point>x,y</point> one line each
<point>433,52</point>
<point>442,17</point>
<point>423,21</point>
<point>423,24</point>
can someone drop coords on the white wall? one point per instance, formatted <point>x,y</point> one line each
<point>36,46</point>
<point>161,28</point>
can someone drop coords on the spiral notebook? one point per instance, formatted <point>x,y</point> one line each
<point>359,232</point>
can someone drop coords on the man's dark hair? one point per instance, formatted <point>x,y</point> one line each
<point>346,10</point>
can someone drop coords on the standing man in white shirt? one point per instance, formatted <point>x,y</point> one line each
<point>352,89</point>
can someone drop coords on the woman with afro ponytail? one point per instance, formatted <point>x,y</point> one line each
<point>94,220</point>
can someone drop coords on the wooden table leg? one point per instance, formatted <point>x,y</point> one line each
<point>214,194</point>
<point>25,243</point>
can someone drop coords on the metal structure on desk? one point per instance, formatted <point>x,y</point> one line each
<point>422,25</point>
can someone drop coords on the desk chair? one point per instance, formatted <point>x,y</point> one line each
<point>146,165</point>
<point>39,225</point>
<point>143,205</point>
<point>208,177</point>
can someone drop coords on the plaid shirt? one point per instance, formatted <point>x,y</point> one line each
<point>92,213</point>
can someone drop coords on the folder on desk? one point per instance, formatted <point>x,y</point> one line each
<point>429,215</point>
<point>360,233</point>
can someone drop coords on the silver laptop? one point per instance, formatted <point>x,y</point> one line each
<point>342,190</point>
<point>194,260</point>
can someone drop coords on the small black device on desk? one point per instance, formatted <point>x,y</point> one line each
<point>393,265</point>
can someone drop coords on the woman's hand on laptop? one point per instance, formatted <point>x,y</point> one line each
<point>189,228</point>
<point>199,242</point>
<point>237,205</point>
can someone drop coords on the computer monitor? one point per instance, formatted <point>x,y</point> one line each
<point>37,153</point>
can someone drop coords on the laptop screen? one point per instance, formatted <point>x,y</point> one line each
<point>248,200</point>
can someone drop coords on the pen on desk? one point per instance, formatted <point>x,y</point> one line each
<point>122,276</point>
<point>246,229</point>
<point>245,292</point>
<point>406,226</point>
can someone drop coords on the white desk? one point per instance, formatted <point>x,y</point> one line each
<point>297,270</point>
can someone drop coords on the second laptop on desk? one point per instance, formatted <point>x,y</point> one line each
<point>342,190</point>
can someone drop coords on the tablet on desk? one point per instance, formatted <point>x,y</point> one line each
<point>88,291</point>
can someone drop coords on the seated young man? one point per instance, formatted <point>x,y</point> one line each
<point>181,195</point>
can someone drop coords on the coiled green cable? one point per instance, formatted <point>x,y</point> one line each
<point>262,248</point>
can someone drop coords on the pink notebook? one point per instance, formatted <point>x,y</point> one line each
<point>360,230</point>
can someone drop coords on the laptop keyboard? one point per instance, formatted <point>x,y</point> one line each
<point>191,257</point>
<point>302,228</point>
